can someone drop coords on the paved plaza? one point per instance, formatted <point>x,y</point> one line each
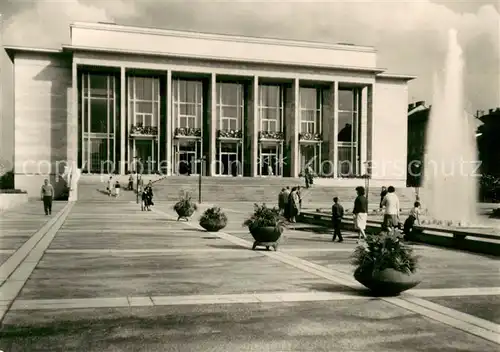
<point>104,276</point>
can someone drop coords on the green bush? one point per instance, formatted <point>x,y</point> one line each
<point>214,219</point>
<point>185,206</point>
<point>264,216</point>
<point>384,251</point>
<point>12,191</point>
<point>7,180</point>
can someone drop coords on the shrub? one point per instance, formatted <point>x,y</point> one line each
<point>263,217</point>
<point>213,218</point>
<point>185,206</point>
<point>7,180</point>
<point>385,251</point>
<point>12,191</point>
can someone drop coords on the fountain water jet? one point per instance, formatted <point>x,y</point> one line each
<point>450,183</point>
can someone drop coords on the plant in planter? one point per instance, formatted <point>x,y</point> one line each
<point>385,265</point>
<point>185,207</point>
<point>213,219</point>
<point>265,225</point>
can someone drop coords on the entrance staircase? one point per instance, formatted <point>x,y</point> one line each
<point>236,189</point>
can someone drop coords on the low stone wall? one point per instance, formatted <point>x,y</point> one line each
<point>11,200</point>
<point>463,239</point>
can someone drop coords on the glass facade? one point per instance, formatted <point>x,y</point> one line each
<point>348,146</point>
<point>187,104</point>
<point>149,136</point>
<point>310,110</point>
<point>271,108</point>
<point>98,105</point>
<point>230,106</point>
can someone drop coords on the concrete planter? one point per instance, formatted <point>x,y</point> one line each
<point>266,236</point>
<point>184,213</point>
<point>388,282</point>
<point>212,226</point>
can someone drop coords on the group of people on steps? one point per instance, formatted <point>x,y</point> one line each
<point>290,203</point>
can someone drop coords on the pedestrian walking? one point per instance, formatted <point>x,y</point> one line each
<point>47,195</point>
<point>337,215</point>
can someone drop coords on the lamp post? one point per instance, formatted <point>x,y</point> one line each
<point>202,162</point>
<point>137,159</point>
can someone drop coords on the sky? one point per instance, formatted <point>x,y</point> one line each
<point>410,36</point>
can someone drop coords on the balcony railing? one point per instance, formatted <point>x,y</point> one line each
<point>306,136</point>
<point>277,135</point>
<point>144,130</point>
<point>187,132</point>
<point>230,134</point>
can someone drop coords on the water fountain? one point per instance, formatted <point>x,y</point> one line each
<point>450,185</point>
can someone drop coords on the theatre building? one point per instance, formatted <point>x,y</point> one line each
<point>220,105</point>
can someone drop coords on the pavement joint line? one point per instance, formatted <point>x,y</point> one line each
<point>11,264</point>
<point>454,318</point>
<point>450,292</point>
<point>482,323</point>
<point>139,251</point>
<point>145,301</point>
<point>450,320</point>
<point>10,288</point>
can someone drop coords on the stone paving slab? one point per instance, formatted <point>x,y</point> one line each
<point>19,224</point>
<point>331,326</point>
<point>182,273</point>
<point>485,307</point>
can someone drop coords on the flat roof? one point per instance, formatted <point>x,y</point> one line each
<point>71,48</point>
<point>396,76</point>
<point>12,49</point>
<point>222,36</point>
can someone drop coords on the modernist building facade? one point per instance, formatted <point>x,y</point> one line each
<point>183,102</point>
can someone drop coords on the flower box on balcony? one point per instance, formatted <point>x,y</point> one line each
<point>271,135</point>
<point>315,137</point>
<point>235,134</point>
<point>187,132</point>
<point>140,130</point>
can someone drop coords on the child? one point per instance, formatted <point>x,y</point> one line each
<point>337,215</point>
<point>410,221</point>
<point>117,188</point>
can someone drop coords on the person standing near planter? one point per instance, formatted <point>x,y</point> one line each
<point>412,218</point>
<point>337,215</point>
<point>110,185</point>
<point>281,201</point>
<point>383,193</point>
<point>47,195</point>
<point>117,188</point>
<point>360,212</point>
<point>286,208</point>
<point>391,214</point>
<point>294,201</point>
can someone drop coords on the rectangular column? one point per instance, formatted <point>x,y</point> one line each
<point>169,164</point>
<point>335,129</point>
<point>72,124</point>
<point>295,128</point>
<point>123,119</point>
<point>212,144</point>
<point>363,130</point>
<point>369,126</point>
<point>253,125</point>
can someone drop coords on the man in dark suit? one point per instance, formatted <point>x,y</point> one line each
<point>337,215</point>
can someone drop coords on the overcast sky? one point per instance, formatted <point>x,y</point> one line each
<point>410,35</point>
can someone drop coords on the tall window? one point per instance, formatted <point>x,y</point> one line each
<point>98,122</point>
<point>144,100</point>
<point>348,127</point>
<point>310,110</point>
<point>188,103</point>
<point>271,108</point>
<point>230,106</point>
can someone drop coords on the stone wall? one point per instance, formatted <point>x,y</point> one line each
<point>42,99</point>
<point>389,130</point>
